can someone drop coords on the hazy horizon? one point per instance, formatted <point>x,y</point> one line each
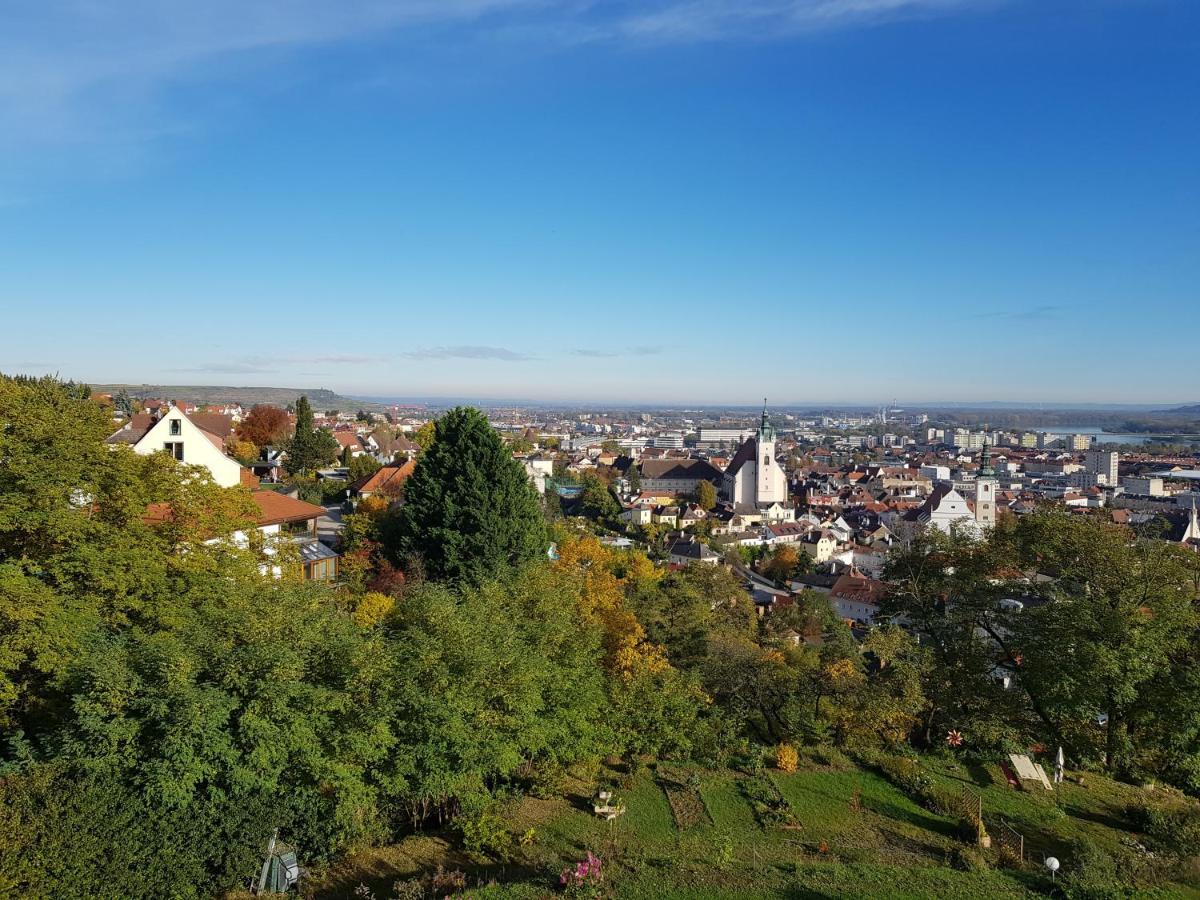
<point>613,402</point>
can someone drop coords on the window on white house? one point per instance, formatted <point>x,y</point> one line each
<point>175,448</point>
<point>176,428</point>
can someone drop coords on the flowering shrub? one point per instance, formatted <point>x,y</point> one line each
<point>584,878</point>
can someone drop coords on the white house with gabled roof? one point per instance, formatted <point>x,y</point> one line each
<point>174,433</point>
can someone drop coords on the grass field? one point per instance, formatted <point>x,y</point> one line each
<point>857,836</point>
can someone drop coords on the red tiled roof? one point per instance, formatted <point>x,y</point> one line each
<point>275,508</point>
<point>369,484</point>
<point>859,587</point>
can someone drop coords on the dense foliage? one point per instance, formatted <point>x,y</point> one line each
<point>164,706</point>
<point>470,511</point>
<point>265,425</point>
<point>310,447</point>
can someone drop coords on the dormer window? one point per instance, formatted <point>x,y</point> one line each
<point>176,428</point>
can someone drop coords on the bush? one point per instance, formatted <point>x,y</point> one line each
<point>485,837</point>
<point>971,859</point>
<point>829,757</point>
<point>1091,874</point>
<point>786,758</point>
<point>905,773</point>
<point>1171,829</point>
<point>770,807</point>
<point>65,832</point>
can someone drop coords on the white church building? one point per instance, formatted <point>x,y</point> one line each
<point>754,480</point>
<point>946,508</point>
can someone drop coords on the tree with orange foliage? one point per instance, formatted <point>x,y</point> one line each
<point>264,425</point>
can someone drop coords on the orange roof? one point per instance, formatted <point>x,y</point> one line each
<point>275,508</point>
<point>853,586</point>
<point>397,475</point>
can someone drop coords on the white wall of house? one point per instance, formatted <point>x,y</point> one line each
<point>854,609</point>
<point>176,434</point>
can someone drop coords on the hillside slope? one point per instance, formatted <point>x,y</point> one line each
<point>321,398</point>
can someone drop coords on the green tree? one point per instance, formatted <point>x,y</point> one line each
<point>706,495</point>
<point>1122,609</point>
<point>634,474</point>
<point>597,500</point>
<point>424,436</point>
<point>484,681</point>
<point>948,587</point>
<point>310,447</point>
<point>470,511</point>
<point>363,465</point>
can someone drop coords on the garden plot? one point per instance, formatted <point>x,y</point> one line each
<point>683,793</point>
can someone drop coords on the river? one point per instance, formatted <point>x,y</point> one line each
<point>1108,437</point>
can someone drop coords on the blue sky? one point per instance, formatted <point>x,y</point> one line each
<point>660,201</point>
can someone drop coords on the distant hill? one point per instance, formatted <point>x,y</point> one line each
<point>1193,410</point>
<point>321,398</point>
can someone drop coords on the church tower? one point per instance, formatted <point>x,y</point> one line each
<point>985,491</point>
<point>765,441</point>
<point>770,483</point>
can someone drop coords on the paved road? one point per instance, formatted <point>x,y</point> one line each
<point>330,524</point>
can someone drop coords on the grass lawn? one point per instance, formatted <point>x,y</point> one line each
<point>856,836</point>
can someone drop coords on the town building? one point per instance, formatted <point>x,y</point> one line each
<point>754,479</point>
<point>168,430</point>
<point>1104,465</point>
<point>678,476</point>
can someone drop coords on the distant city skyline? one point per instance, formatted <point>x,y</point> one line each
<point>663,202</point>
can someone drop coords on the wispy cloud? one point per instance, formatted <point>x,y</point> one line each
<point>467,351</point>
<point>339,359</point>
<point>77,73</point>
<point>613,354</point>
<point>595,354</point>
<point>711,20</point>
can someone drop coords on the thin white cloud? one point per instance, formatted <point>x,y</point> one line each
<point>613,354</point>
<point>595,354</point>
<point>75,73</point>
<point>468,352</point>
<point>711,20</point>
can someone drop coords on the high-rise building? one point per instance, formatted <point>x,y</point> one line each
<point>1080,442</point>
<point>1103,464</point>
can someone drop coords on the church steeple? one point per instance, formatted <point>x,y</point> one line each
<point>765,432</point>
<point>985,463</point>
<point>985,489</point>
